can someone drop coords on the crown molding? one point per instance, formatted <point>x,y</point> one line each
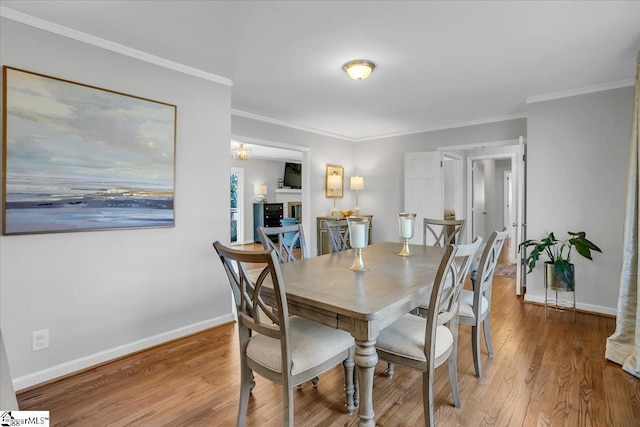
<point>257,117</point>
<point>449,126</point>
<point>270,120</point>
<point>579,91</point>
<point>32,21</point>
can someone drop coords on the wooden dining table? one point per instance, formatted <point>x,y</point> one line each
<point>324,289</point>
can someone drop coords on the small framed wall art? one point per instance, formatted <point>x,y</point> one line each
<point>334,186</point>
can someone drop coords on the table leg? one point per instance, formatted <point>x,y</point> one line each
<point>366,359</point>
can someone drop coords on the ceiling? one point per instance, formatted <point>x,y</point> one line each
<point>438,64</point>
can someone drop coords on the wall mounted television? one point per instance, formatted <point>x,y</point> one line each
<point>292,175</point>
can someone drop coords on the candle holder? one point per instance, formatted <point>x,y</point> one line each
<point>359,239</point>
<point>405,228</point>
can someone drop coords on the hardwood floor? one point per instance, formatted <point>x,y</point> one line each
<point>546,371</point>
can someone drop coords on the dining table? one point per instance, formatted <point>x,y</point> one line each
<point>324,289</point>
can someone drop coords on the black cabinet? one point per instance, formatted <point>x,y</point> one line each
<point>266,215</point>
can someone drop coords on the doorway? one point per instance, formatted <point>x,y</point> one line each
<point>425,182</point>
<point>479,202</point>
<point>236,217</point>
<point>453,185</point>
<point>259,170</point>
<point>496,161</point>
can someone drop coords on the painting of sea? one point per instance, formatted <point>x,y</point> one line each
<point>80,158</point>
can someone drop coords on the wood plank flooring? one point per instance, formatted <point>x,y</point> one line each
<point>545,372</point>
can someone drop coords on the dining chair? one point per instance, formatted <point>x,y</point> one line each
<point>424,344</point>
<point>475,305</point>
<point>338,234</point>
<point>284,240</point>
<point>443,231</point>
<point>285,349</point>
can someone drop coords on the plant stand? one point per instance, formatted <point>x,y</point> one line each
<point>558,304</point>
<point>553,283</point>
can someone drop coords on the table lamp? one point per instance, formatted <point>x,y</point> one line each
<point>334,183</point>
<point>356,184</point>
<point>260,191</point>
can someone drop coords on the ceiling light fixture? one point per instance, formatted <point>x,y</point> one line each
<point>241,153</point>
<point>359,69</point>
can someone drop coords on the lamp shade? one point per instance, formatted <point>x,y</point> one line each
<point>356,183</point>
<point>259,189</point>
<point>334,182</point>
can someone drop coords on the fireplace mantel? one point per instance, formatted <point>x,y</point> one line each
<point>290,198</point>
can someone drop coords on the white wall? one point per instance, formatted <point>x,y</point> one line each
<point>104,294</point>
<point>578,151</point>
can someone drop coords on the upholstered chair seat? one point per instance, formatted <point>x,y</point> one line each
<point>406,337</point>
<point>466,305</point>
<point>311,345</point>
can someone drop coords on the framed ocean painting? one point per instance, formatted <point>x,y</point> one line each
<point>80,158</point>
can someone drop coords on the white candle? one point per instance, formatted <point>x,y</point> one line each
<point>358,236</point>
<point>406,229</point>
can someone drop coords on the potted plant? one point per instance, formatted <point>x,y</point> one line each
<point>559,271</point>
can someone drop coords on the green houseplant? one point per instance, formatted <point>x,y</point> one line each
<point>559,254</point>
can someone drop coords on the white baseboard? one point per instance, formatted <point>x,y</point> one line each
<point>580,306</point>
<point>66,368</point>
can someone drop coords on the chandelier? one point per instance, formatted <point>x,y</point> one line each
<point>241,153</point>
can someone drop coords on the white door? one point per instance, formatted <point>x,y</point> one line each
<point>479,210</point>
<point>519,166</point>
<point>509,213</point>
<point>423,188</point>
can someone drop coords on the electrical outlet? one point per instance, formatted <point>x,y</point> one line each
<point>40,340</point>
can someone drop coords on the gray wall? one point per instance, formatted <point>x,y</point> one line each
<point>104,294</point>
<point>381,162</point>
<point>578,151</point>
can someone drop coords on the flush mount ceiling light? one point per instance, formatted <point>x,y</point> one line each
<point>241,153</point>
<point>359,69</point>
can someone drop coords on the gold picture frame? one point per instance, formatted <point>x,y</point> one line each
<point>334,182</point>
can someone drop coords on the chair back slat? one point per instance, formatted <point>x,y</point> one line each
<point>486,269</point>
<point>283,241</point>
<point>442,232</point>
<point>338,234</point>
<point>253,312</point>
